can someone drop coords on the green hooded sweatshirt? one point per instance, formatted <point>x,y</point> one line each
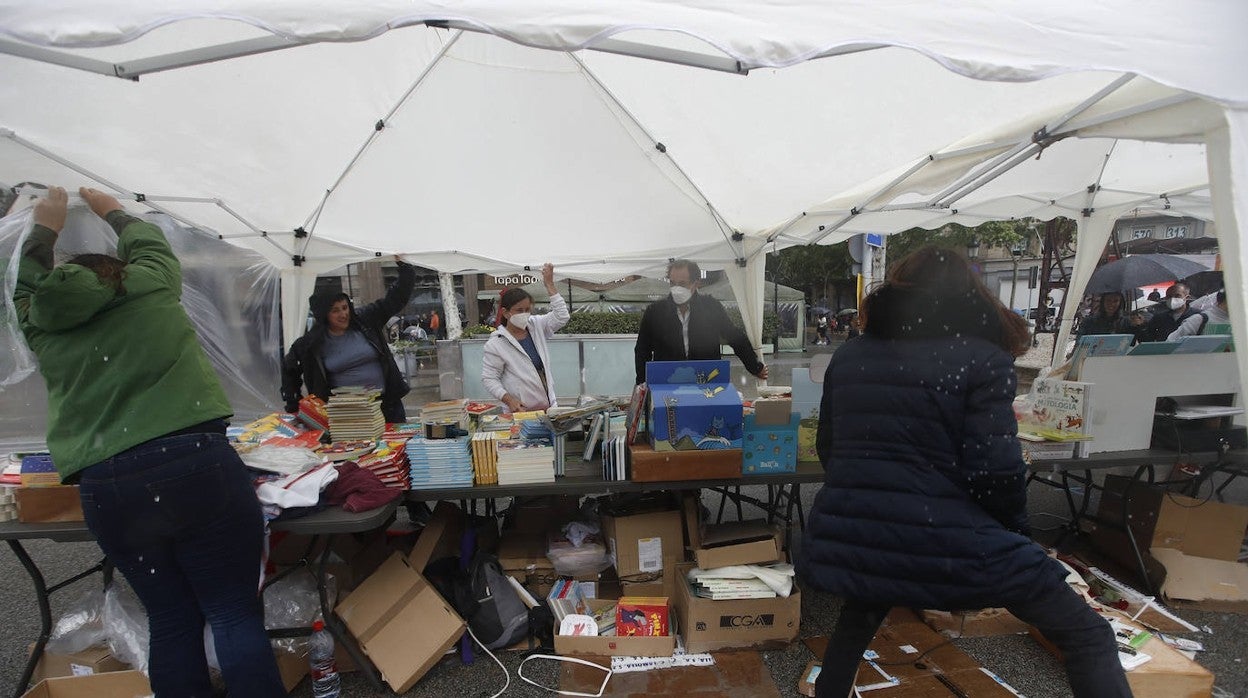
<point>121,368</point>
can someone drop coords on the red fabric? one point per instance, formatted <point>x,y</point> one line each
<point>357,489</point>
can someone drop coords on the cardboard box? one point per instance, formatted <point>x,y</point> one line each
<point>943,672</point>
<point>522,554</point>
<point>711,626</point>
<point>1216,585</point>
<point>352,557</point>
<point>292,667</point>
<point>769,449</point>
<point>93,660</point>
<point>648,465</point>
<point>401,622</point>
<point>739,543</point>
<point>115,684</point>
<point>772,411</point>
<point>693,406</point>
<point>645,543</point>
<point>987,622</point>
<point>613,646</point>
<point>439,538</point>
<point>1162,519</point>
<point>1169,674</point>
<point>48,504</point>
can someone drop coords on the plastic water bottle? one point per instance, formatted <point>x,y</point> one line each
<point>326,683</point>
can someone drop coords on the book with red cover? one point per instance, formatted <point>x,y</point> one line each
<point>636,409</point>
<point>641,616</point>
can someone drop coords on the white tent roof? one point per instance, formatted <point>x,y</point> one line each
<point>466,152</point>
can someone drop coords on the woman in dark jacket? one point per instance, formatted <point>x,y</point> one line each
<point>1110,316</point>
<point>348,347</point>
<point>924,496</point>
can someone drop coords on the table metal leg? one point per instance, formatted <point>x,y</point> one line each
<point>336,627</point>
<point>43,594</point>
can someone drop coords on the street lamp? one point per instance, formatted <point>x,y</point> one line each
<point>972,249</point>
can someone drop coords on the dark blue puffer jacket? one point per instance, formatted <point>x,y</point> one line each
<point>924,497</point>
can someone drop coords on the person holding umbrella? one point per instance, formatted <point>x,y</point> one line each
<point>1109,318</point>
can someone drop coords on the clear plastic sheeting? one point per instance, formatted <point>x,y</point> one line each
<point>230,295</point>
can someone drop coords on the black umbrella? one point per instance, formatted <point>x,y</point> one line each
<point>1140,270</point>
<point>1203,283</point>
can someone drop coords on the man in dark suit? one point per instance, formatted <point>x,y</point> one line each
<point>686,325</point>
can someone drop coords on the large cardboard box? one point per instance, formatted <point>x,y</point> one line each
<point>645,543</point>
<point>693,406</point>
<point>1193,543</point>
<point>739,543</point>
<point>1169,674</point>
<point>649,465</point>
<point>116,684</point>
<point>50,504</point>
<point>522,554</point>
<point>401,622</point>
<point>711,626</point>
<point>292,667</point>
<point>352,557</point>
<point>93,660</point>
<point>769,448</point>
<point>612,645</point>
<point>773,411</point>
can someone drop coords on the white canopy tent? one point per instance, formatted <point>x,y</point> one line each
<point>317,147</point>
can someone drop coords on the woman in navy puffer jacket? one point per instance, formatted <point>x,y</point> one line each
<point>924,496</point>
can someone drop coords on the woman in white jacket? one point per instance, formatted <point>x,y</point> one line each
<point>516,366</point>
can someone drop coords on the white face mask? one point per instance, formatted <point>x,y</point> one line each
<point>519,320</point>
<point>681,295</point>
<point>1176,303</point>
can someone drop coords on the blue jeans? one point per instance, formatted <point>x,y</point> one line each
<point>1085,639</point>
<point>178,516</point>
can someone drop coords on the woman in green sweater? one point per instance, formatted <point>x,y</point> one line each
<point>136,417</point>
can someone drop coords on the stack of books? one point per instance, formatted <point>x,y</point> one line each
<point>346,450</point>
<point>8,504</point>
<point>500,423</point>
<point>721,589</point>
<point>355,413</point>
<point>485,458</point>
<point>446,412</point>
<point>615,458</point>
<point>521,461</point>
<point>12,474</point>
<point>532,429</point>
<point>439,463</point>
<point>313,413</point>
<point>402,431</point>
<point>389,463</point>
<point>565,598</point>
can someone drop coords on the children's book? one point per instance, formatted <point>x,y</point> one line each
<point>1097,345</point>
<point>1203,344</point>
<point>1153,348</point>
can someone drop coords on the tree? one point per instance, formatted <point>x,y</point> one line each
<point>811,268</point>
<point>956,237</point>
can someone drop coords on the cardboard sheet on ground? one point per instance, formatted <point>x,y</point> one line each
<point>1211,584</point>
<point>734,675</point>
<point>901,643</point>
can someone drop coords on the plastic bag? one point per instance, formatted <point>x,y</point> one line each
<point>80,626</point>
<point>575,561</point>
<point>293,602</point>
<point>126,622</point>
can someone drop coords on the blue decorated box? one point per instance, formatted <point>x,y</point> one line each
<point>769,448</point>
<point>693,406</point>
